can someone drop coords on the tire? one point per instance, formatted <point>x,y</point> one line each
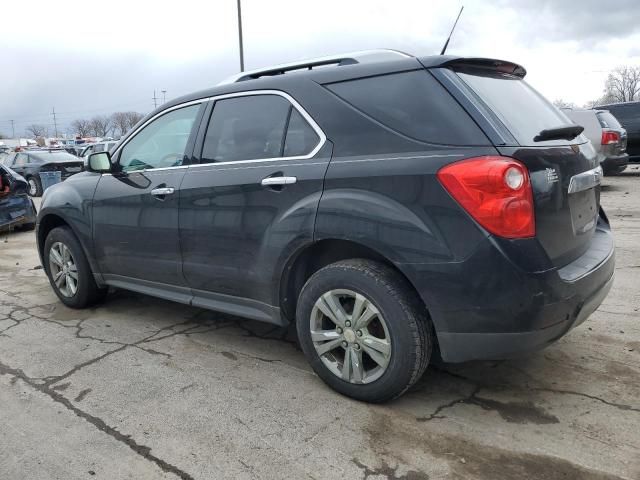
<point>406,330</point>
<point>86,291</point>
<point>35,186</point>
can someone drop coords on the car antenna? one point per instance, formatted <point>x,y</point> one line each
<point>446,44</point>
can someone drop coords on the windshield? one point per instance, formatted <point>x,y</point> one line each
<point>522,109</point>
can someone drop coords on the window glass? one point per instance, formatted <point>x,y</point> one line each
<point>522,109</point>
<point>98,148</point>
<point>413,104</point>
<point>301,137</point>
<point>246,128</point>
<point>21,159</point>
<point>160,144</point>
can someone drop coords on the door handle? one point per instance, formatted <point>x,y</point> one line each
<point>276,181</point>
<point>161,192</point>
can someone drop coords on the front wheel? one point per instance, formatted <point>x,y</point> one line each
<point>363,330</point>
<point>35,186</point>
<point>68,270</point>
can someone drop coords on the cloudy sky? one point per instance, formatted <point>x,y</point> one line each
<point>89,58</point>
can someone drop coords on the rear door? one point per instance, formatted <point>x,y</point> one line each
<point>564,174</point>
<point>252,200</point>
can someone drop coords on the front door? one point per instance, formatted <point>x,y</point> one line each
<point>135,209</point>
<point>251,199</point>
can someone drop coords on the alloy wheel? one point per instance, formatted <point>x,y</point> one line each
<point>33,187</point>
<point>63,269</point>
<point>350,336</point>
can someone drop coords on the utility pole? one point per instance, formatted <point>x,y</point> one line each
<point>164,96</point>
<point>55,123</point>
<point>155,99</point>
<point>240,37</point>
<point>13,129</point>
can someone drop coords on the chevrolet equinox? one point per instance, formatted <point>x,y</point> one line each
<point>392,206</point>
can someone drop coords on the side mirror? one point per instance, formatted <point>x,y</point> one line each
<point>99,162</point>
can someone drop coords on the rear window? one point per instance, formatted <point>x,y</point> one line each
<point>607,120</point>
<point>520,108</point>
<point>413,104</point>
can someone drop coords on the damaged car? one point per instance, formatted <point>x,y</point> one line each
<point>16,207</point>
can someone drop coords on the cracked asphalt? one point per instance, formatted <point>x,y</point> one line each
<point>141,388</point>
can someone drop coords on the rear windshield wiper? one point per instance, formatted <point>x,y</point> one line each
<point>567,132</point>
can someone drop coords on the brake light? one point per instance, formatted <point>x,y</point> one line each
<point>495,191</point>
<point>609,137</point>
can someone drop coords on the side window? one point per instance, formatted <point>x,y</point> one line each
<point>246,128</point>
<point>21,160</point>
<point>301,138</point>
<point>161,143</point>
<point>413,104</point>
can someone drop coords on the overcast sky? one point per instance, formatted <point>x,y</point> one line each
<point>88,58</point>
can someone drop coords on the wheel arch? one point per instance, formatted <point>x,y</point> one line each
<point>50,221</point>
<point>311,258</point>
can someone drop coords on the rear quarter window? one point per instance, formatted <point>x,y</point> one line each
<point>413,104</point>
<point>522,110</point>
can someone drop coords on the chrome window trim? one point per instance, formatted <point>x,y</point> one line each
<point>321,135</point>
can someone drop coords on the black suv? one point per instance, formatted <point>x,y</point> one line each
<point>392,206</point>
<point>628,114</point>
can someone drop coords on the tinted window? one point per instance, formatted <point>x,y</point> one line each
<point>160,144</point>
<point>628,115</point>
<point>607,120</point>
<point>52,157</point>
<point>522,110</point>
<point>301,138</point>
<point>246,128</point>
<point>413,104</point>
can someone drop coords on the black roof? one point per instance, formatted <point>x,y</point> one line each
<point>343,72</point>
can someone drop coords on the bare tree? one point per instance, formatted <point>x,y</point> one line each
<point>82,127</point>
<point>560,103</point>
<point>120,121</point>
<point>37,130</point>
<point>623,85</point>
<point>100,125</point>
<point>133,118</point>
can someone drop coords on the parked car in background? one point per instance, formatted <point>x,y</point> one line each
<point>97,147</point>
<point>390,205</point>
<point>608,138</point>
<point>16,207</point>
<point>628,114</point>
<point>30,163</point>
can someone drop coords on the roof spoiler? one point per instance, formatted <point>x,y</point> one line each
<point>491,64</point>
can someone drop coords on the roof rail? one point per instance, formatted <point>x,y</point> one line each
<point>364,56</point>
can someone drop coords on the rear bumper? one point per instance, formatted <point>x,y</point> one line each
<point>462,347</point>
<point>487,308</point>
<point>615,164</point>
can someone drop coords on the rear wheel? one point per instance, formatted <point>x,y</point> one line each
<point>69,271</point>
<point>35,186</point>
<point>363,330</point>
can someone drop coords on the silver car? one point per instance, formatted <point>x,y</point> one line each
<point>606,134</point>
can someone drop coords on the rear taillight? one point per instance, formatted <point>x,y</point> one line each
<point>609,137</point>
<point>495,191</point>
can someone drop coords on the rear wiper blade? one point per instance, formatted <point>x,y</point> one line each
<point>565,132</point>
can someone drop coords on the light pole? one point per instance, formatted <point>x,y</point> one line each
<point>240,37</point>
